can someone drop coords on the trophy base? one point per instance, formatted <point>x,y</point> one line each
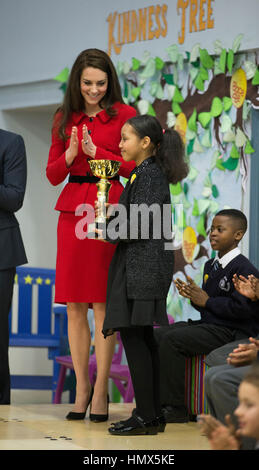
<point>91,232</point>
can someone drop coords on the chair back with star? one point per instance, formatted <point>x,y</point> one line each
<point>33,323</point>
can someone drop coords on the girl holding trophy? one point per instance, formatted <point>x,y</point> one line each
<point>141,270</point>
<point>87,126</point>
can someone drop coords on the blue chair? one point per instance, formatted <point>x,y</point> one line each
<point>34,290</point>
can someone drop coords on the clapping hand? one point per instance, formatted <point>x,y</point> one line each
<point>191,291</point>
<point>249,287</point>
<point>72,150</point>
<point>88,146</point>
<point>220,436</point>
<point>244,354</point>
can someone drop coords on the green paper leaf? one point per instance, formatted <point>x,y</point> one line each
<point>135,64</point>
<point>192,175</point>
<point>149,69</point>
<point>201,227</point>
<point>203,205</point>
<point>206,139</point>
<point>204,118</point>
<point>159,63</point>
<point>168,78</point>
<point>222,60</point>
<point>230,60</point>
<point>175,189</point>
<point>225,123</point>
<point>214,207</point>
<point>176,108</point>
<point>207,192</point>
<point>190,147</point>
<point>237,43</point>
<point>136,92</point>
<point>193,73</point>
<point>151,110</point>
<point>195,210</point>
<point>206,59</point>
<point>143,106</point>
<point>170,119</point>
<point>227,103</point>
<point>63,75</point>
<point>63,87</point>
<point>216,107</point>
<point>231,163</point>
<point>255,80</point>
<point>219,164</point>
<point>215,191</point>
<point>199,83</point>
<point>204,73</point>
<point>197,147</point>
<point>195,53</point>
<point>248,148</point>
<point>126,89</point>
<point>240,138</point>
<point>250,69</point>
<point>173,52</point>
<point>185,188</point>
<point>178,97</point>
<point>218,47</point>
<point>156,90</point>
<point>192,124</point>
<point>229,136</point>
<point>234,152</point>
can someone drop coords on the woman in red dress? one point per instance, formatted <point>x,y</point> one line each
<point>86,126</point>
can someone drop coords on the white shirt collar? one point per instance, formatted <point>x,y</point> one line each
<point>224,260</point>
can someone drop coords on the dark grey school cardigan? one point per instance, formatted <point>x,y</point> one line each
<point>149,266</point>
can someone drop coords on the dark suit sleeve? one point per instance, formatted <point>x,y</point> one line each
<point>13,185</point>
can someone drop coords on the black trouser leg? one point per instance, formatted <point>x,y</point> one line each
<point>176,343</point>
<point>6,293</point>
<point>143,361</point>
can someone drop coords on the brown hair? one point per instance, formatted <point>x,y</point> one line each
<point>252,375</point>
<point>73,100</point>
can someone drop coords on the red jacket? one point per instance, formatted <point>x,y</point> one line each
<point>106,135</point>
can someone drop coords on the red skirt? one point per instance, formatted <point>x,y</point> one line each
<point>82,263</point>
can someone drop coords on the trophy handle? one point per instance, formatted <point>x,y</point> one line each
<point>102,198</point>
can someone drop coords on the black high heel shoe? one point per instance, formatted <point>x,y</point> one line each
<point>73,415</point>
<point>100,418</point>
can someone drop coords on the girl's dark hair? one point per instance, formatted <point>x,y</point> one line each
<point>73,100</point>
<point>168,146</point>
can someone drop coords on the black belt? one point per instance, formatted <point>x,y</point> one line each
<point>87,179</point>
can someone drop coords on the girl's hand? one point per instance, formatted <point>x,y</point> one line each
<point>72,150</point>
<point>88,146</point>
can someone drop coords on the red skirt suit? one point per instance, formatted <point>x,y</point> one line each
<point>82,264</point>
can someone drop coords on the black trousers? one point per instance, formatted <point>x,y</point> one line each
<point>6,293</point>
<point>143,361</point>
<point>177,342</point>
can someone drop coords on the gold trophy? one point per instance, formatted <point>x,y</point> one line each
<point>103,169</point>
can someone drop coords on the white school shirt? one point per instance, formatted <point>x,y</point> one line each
<point>224,260</point>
